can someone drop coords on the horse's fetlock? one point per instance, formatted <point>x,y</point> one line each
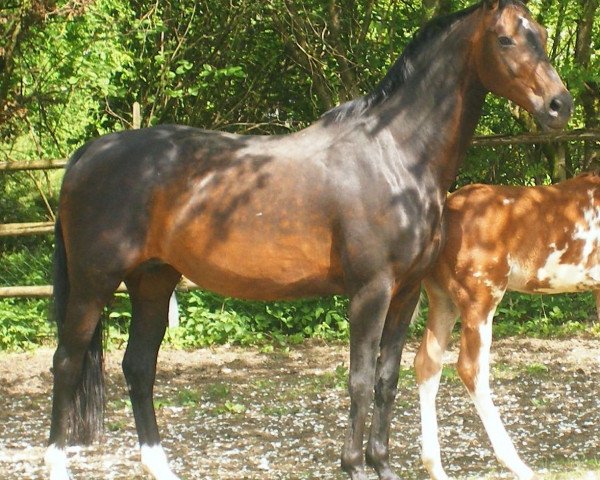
<point>376,454</point>
<point>351,461</point>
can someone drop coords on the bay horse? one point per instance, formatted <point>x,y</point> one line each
<point>543,239</point>
<point>350,205</point>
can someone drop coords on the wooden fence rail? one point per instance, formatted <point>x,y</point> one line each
<point>581,135</point>
<point>17,165</point>
<point>44,291</point>
<point>20,229</point>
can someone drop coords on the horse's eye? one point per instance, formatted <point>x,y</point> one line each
<point>505,41</point>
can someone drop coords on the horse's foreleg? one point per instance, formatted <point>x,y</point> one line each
<point>473,369</point>
<point>398,318</point>
<point>150,289</point>
<point>368,308</point>
<point>428,367</point>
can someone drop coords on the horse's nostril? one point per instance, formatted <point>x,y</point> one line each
<point>556,105</point>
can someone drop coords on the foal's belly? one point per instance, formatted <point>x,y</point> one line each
<point>553,274</point>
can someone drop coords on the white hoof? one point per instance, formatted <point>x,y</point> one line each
<point>56,462</point>
<point>526,474</point>
<point>154,461</point>
<point>435,469</point>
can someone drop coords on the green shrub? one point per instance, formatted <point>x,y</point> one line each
<point>208,319</point>
<point>24,324</point>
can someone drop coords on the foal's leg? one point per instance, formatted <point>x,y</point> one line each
<point>368,309</point>
<point>83,309</point>
<point>150,289</point>
<point>398,318</point>
<point>474,370</point>
<point>428,366</point>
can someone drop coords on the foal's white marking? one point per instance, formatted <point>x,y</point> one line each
<point>56,462</point>
<point>561,277</point>
<point>585,274</point>
<point>518,274</point>
<point>564,277</point>
<point>430,445</point>
<point>154,461</point>
<point>496,292</point>
<point>589,232</point>
<point>490,417</point>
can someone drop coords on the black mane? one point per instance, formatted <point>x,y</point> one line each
<point>402,68</point>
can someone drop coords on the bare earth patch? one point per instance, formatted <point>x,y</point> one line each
<point>229,413</point>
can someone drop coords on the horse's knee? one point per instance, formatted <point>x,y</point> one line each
<point>426,365</point>
<point>473,360</point>
<point>360,388</point>
<point>467,369</point>
<point>67,366</point>
<point>385,391</point>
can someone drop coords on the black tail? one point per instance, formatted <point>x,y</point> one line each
<point>86,416</point>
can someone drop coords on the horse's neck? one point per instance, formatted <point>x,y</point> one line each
<point>433,116</point>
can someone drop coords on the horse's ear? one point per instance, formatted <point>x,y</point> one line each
<point>491,4</point>
<point>494,4</point>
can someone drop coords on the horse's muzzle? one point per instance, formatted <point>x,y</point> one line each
<point>557,111</point>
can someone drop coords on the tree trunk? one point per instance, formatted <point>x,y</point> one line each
<point>590,97</point>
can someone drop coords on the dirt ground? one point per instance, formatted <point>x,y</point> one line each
<point>229,413</point>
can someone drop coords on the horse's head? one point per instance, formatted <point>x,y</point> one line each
<point>511,61</point>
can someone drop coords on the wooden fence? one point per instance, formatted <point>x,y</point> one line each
<point>40,228</point>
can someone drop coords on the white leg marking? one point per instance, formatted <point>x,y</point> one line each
<point>56,462</point>
<point>173,311</point>
<point>482,398</point>
<point>430,445</point>
<point>154,461</point>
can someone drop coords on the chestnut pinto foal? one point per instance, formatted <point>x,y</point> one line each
<point>529,239</point>
<point>352,204</point>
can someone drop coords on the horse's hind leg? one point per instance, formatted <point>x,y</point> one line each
<point>474,371</point>
<point>398,318</point>
<point>77,331</point>
<point>150,288</point>
<point>428,368</point>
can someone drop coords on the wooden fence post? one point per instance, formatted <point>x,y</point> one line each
<point>137,116</point>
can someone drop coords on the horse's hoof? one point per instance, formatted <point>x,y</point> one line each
<point>56,462</point>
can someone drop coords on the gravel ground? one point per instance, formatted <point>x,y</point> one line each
<point>229,413</point>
